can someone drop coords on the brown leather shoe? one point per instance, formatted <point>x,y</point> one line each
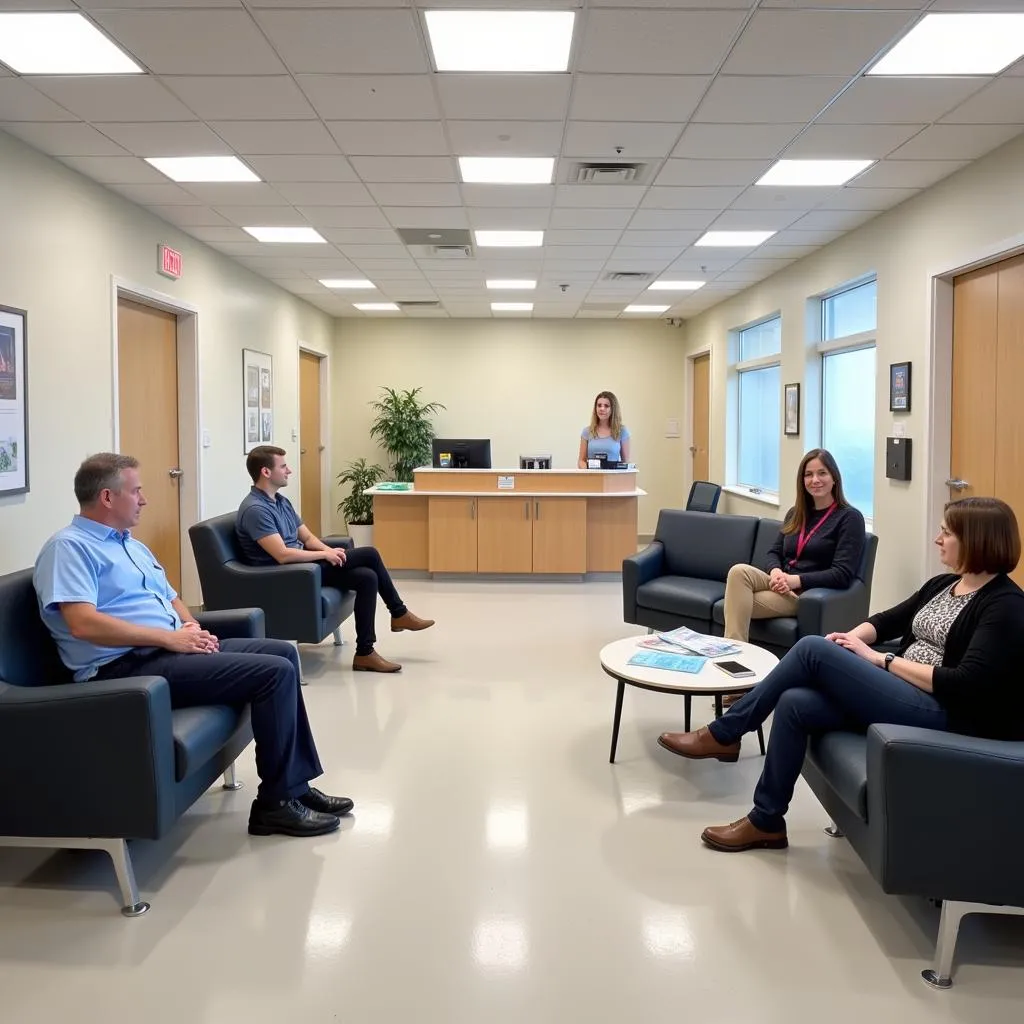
<point>742,835</point>
<point>411,622</point>
<point>730,698</point>
<point>373,662</point>
<point>699,745</point>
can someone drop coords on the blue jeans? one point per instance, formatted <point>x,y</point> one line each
<point>817,687</point>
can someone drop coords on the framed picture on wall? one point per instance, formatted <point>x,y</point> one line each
<point>257,399</point>
<point>13,401</point>
<point>899,387</point>
<point>791,407</point>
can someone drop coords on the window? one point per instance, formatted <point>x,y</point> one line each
<point>757,409</point>
<point>848,385</point>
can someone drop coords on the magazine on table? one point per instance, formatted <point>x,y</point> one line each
<point>673,662</point>
<point>686,639</point>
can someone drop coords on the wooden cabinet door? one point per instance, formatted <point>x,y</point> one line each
<point>560,535</point>
<point>504,534</point>
<point>452,539</point>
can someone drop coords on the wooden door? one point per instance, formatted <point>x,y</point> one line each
<point>560,535</point>
<point>504,534</point>
<point>310,443</point>
<point>987,442</point>
<point>147,388</point>
<point>452,534</point>
<point>700,406</point>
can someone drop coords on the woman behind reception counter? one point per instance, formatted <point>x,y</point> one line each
<point>606,435</point>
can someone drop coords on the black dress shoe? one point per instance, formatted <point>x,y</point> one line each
<point>291,818</point>
<point>317,801</point>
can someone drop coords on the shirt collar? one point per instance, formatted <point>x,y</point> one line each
<point>260,493</point>
<point>99,530</point>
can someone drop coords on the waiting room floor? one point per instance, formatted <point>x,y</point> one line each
<point>497,868</point>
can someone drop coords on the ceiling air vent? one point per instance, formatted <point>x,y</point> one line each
<point>452,252</point>
<point>608,174</point>
<point>638,276</point>
<point>418,303</point>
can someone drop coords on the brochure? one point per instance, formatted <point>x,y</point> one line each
<point>672,662</point>
<point>689,640</point>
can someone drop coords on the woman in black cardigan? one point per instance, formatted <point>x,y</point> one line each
<point>958,668</point>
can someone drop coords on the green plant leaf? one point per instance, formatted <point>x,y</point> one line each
<point>357,507</point>
<point>403,428</point>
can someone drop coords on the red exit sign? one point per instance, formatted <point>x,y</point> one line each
<point>170,262</point>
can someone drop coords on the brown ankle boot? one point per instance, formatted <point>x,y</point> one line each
<point>698,745</point>
<point>373,662</point>
<point>410,622</point>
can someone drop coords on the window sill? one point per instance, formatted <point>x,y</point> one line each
<point>764,497</point>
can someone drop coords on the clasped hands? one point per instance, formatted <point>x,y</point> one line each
<point>857,646</point>
<point>783,583</point>
<point>191,638</point>
<point>334,556</point>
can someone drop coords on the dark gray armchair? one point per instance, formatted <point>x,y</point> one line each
<point>297,608</point>
<point>703,497</point>
<point>93,765</point>
<point>931,814</point>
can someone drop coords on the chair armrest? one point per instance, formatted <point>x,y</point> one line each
<point>943,806</point>
<point>87,759</point>
<point>638,569</point>
<point>334,541</point>
<point>288,594</point>
<point>236,624</point>
<point>821,611</point>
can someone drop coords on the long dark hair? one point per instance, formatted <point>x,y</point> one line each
<point>804,504</point>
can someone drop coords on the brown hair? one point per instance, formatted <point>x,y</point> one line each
<point>101,472</point>
<point>614,420</point>
<point>261,458</point>
<point>987,531</point>
<point>804,504</point>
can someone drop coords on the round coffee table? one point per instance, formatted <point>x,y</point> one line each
<point>708,682</point>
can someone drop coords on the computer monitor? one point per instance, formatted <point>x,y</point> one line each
<point>461,453</point>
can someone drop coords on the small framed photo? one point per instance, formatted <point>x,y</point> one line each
<point>899,387</point>
<point>791,419</point>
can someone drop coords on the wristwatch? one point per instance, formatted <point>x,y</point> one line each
<point>889,658</point>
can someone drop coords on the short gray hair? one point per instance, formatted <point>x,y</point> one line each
<point>101,472</point>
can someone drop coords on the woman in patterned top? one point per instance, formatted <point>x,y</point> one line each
<point>957,668</point>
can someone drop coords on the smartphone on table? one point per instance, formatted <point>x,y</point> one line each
<point>735,669</point>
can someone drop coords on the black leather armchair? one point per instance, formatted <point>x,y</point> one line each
<point>703,497</point>
<point>93,765</point>
<point>296,607</point>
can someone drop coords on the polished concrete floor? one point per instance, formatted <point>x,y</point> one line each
<point>497,868</point>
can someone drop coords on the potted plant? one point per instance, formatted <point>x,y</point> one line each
<point>402,425</point>
<point>357,507</point>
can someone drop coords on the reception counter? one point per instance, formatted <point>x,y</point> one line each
<point>570,521</point>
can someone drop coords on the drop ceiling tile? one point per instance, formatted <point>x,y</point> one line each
<point>735,141</point>
<point>900,100</point>
<point>323,193</point>
<point>690,197</point>
<point>262,216</point>
<point>850,141</point>
<point>276,138</point>
<point>623,196</point>
<point>508,195</point>
<point>1002,102</point>
<point>350,41</point>
<point>761,197</point>
<point>357,253</point>
<point>248,193</point>
<point>504,97</point>
<point>360,236</point>
<point>426,216</point>
<point>241,97</point>
<point>659,239</point>
<point>405,168</point>
<point>756,99</point>
<point>400,194</point>
<point>793,252</point>
<point>711,172</point>
<point>505,138</point>
<point>145,195</point>
<point>387,138</point>
<point>619,139</point>
<point>559,266</point>
<point>371,97</point>
<point>587,217</point>
<point>672,220</point>
<point>656,42</point>
<point>698,263</point>
<point>818,237</point>
<point>567,253</point>
<point>908,173</point>
<point>655,256</point>
<point>884,5</point>
<point>957,141</point>
<point>302,168</point>
<point>63,139</point>
<point>343,216</point>
<point>20,102</point>
<point>499,218</point>
<point>813,42</point>
<point>631,98</point>
<point>852,198</point>
<point>167,138</point>
<point>571,236</point>
<point>755,220</point>
<point>182,42</point>
<point>223,233</point>
<point>188,216</point>
<point>833,220</point>
<point>114,97</point>
<point>116,169</point>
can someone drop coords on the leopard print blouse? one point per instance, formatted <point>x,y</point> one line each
<point>932,624</point>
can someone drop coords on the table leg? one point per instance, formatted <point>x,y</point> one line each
<point>686,712</point>
<point>615,720</point>
<point>718,705</point>
<point>760,739</point>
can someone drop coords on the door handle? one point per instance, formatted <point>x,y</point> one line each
<point>472,510</point>
<point>536,510</point>
<point>957,484</point>
<point>302,451</point>
<point>175,474</point>
<point>526,510</point>
<point>321,447</point>
<point>693,449</point>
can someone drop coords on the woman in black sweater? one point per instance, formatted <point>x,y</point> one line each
<point>957,668</point>
<point>820,545</point>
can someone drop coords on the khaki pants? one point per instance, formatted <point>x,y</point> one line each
<point>747,596</point>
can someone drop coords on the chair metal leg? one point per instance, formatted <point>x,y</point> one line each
<point>953,912</point>
<point>760,739</point>
<point>298,654</point>
<point>131,906</point>
<point>230,782</point>
<point>338,641</point>
<point>834,831</point>
<point>687,707</point>
<point>615,720</point>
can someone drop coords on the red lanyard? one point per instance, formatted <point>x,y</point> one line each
<point>804,537</point>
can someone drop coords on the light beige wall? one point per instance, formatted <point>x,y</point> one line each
<point>528,385</point>
<point>64,238</point>
<point>979,211</point>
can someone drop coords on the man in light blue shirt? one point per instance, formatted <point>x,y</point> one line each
<point>113,614</point>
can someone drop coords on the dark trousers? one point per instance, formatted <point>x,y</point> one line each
<point>817,687</point>
<point>261,673</point>
<point>365,573</point>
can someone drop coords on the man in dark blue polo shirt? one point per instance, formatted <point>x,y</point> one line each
<point>270,532</point>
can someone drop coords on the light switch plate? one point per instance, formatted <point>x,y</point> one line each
<point>206,439</point>
<point>295,434</point>
<point>672,428</point>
